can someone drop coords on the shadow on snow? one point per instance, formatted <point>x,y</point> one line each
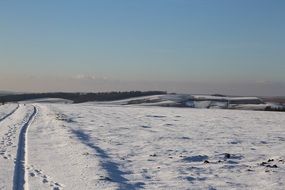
<point>112,168</point>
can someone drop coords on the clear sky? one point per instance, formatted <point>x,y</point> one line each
<point>195,46</point>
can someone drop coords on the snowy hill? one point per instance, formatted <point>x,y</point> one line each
<point>90,146</point>
<point>199,101</point>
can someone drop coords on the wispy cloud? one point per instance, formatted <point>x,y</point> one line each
<point>89,77</point>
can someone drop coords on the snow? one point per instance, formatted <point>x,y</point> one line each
<point>249,106</point>
<point>105,146</point>
<point>196,101</point>
<point>48,100</point>
<point>224,97</point>
<point>9,130</point>
<point>6,110</point>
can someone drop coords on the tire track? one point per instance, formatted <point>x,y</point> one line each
<point>20,180</point>
<point>13,111</point>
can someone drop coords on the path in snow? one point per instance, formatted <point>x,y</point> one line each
<point>20,180</point>
<point>9,134</point>
<point>7,115</point>
<point>15,171</point>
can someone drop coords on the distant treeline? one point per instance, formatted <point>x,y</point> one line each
<point>80,97</point>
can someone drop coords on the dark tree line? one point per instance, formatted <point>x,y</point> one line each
<point>80,97</point>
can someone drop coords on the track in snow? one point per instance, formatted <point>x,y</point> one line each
<point>13,111</point>
<point>20,181</point>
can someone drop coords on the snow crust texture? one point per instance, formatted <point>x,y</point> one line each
<point>89,146</point>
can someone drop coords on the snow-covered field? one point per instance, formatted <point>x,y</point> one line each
<point>97,146</point>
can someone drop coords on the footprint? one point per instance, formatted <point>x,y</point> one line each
<point>38,171</point>
<point>44,178</point>
<point>57,184</point>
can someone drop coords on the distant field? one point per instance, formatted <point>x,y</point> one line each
<point>274,99</point>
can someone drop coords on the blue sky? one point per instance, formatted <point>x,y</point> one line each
<point>182,43</point>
